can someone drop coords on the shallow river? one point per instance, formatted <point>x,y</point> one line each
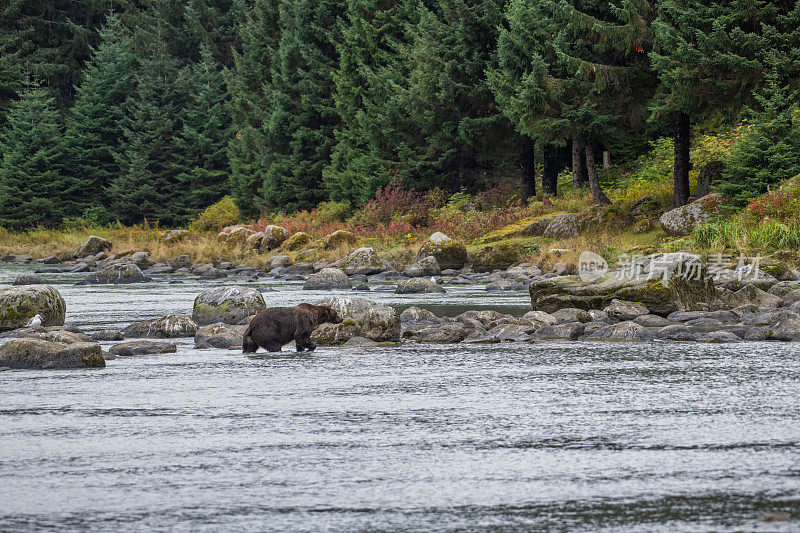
<point>528,436</point>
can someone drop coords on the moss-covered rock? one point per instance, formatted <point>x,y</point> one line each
<point>56,335</point>
<point>663,283</point>
<point>563,226</point>
<point>174,235</point>
<point>363,261</point>
<point>685,219</point>
<point>219,335</point>
<point>19,304</point>
<point>166,327</point>
<point>238,236</point>
<point>338,238</point>
<point>43,354</point>
<point>226,304</point>
<point>448,253</point>
<point>297,241</point>
<point>361,318</point>
<point>499,256</point>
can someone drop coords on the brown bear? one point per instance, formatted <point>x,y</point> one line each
<point>276,326</point>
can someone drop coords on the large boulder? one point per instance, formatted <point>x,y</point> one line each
<point>174,235</point>
<point>127,349</point>
<point>786,328</point>
<point>438,334</point>
<point>623,331</point>
<point>750,294</point>
<point>167,327</point>
<point>423,267</point>
<point>499,256</point>
<point>563,226</point>
<point>448,253</point>
<point>361,318</point>
<point>620,310</point>
<point>227,304</point>
<point>328,279</point>
<point>538,226</point>
<point>338,238</point>
<point>663,283</point>
<point>19,304</point>
<point>55,335</point>
<point>28,279</point>
<point>274,236</point>
<point>363,261</point>
<point>418,286</point>
<point>93,246</point>
<point>238,236</point>
<point>42,354</point>
<point>119,272</point>
<point>219,335</point>
<point>142,260</point>
<point>685,219</point>
<point>297,240</point>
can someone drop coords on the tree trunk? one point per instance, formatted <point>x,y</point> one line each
<point>598,196</point>
<point>682,166</point>
<point>579,177</point>
<point>528,182</point>
<point>550,170</point>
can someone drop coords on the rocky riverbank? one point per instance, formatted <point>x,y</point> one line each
<point>675,297</point>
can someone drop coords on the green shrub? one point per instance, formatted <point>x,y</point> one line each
<point>332,212</point>
<point>217,216</point>
<point>92,217</point>
<point>772,235</point>
<point>720,234</point>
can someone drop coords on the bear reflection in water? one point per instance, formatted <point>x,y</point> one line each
<point>276,326</point>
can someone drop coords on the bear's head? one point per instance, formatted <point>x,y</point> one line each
<point>330,315</point>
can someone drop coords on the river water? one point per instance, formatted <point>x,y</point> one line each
<point>523,436</point>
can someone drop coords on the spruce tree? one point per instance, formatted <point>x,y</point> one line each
<point>250,88</point>
<point>302,115</point>
<point>29,179</point>
<point>708,56</point>
<point>147,186</point>
<point>93,130</point>
<point>201,145</point>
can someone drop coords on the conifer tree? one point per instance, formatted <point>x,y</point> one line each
<point>146,187</point>
<point>707,56</point>
<point>93,130</point>
<point>201,145</point>
<point>29,180</point>
<point>302,115</point>
<point>250,87</point>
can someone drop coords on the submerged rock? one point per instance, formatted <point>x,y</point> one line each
<point>43,354</point>
<point>19,304</point>
<point>107,335</point>
<point>127,349</point>
<point>28,279</point>
<point>219,335</point>
<point>226,304</point>
<point>418,286</point>
<point>122,272</point>
<point>166,327</point>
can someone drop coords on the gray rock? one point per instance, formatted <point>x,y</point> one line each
<point>107,335</point>
<point>19,304</point>
<point>675,333</point>
<point>538,226</point>
<point>685,219</point>
<point>626,330</point>
<point>749,294</point>
<point>685,316</point>
<point>704,325</point>
<point>279,261</point>
<point>167,327</point>
<point>122,272</point>
<point>328,279</point>
<point>55,335</point>
<point>182,261</point>
<point>563,226</point>
<point>303,269</point>
<point>566,331</point>
<point>419,316</point>
<point>505,285</point>
<point>651,321</point>
<point>142,260</point>
<point>786,328</point>
<point>718,337</point>
<point>622,310</point>
<point>439,334</point>
<point>127,349</point>
<point>226,304</point>
<point>571,314</point>
<point>28,279</point>
<point>540,318</point>
<point>42,354</point>
<point>424,267</point>
<point>92,246</point>
<point>363,261</point>
<point>361,318</point>
<point>418,286</point>
<point>449,254</point>
<point>219,335</point>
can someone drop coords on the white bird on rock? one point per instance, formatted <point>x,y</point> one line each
<point>35,322</point>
